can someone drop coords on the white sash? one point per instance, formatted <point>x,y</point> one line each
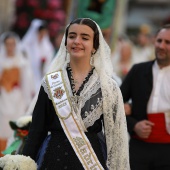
<point>70,123</point>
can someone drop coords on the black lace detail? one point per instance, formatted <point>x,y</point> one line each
<point>70,75</point>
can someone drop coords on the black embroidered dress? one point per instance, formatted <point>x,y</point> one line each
<point>59,153</point>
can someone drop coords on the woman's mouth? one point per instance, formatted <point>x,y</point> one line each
<point>76,49</point>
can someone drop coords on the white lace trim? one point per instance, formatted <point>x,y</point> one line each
<point>44,84</point>
<point>90,88</point>
<point>93,115</point>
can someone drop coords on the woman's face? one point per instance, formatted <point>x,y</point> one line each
<point>10,45</point>
<point>80,41</point>
<point>125,51</point>
<point>42,34</point>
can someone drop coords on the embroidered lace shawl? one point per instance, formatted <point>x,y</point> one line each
<point>112,104</point>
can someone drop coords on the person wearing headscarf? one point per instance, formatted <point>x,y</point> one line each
<point>81,106</point>
<point>38,48</point>
<point>15,88</point>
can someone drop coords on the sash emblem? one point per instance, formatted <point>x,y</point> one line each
<point>55,76</point>
<point>58,93</point>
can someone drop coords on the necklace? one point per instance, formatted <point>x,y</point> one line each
<point>77,83</point>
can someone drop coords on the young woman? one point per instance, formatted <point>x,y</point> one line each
<point>15,88</point>
<point>81,106</point>
<point>39,50</point>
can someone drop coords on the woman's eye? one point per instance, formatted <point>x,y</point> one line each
<point>71,37</point>
<point>85,38</point>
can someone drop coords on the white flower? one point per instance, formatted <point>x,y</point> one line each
<point>17,162</point>
<point>23,121</point>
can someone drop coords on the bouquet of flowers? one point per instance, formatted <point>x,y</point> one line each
<point>12,160</point>
<point>20,127</point>
<point>17,162</point>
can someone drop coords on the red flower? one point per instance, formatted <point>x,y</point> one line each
<point>19,3</point>
<point>33,3</point>
<point>53,25</point>
<point>54,4</point>
<point>22,21</point>
<point>38,13</point>
<point>22,133</point>
<point>43,59</point>
<point>43,14</point>
<point>53,28</point>
<point>59,15</point>
<point>48,14</point>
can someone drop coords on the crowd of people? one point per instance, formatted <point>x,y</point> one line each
<point>85,100</point>
<point>130,51</point>
<point>23,63</point>
<point>146,86</point>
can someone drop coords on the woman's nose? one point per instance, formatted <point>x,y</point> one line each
<point>77,40</point>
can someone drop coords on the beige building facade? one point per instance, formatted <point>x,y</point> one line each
<point>7,9</point>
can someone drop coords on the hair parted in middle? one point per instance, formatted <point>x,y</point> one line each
<point>91,24</point>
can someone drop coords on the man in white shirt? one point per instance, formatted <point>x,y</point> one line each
<point>148,86</point>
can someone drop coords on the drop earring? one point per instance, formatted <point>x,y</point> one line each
<point>92,60</point>
<point>93,52</point>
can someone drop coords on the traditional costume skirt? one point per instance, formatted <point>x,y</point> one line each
<point>59,154</point>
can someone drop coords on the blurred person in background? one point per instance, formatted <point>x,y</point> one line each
<point>38,48</point>
<point>147,85</point>
<point>15,88</point>
<point>143,49</point>
<point>123,62</point>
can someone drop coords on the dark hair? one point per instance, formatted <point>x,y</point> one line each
<point>167,26</point>
<point>42,26</point>
<point>91,24</point>
<point>9,35</point>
